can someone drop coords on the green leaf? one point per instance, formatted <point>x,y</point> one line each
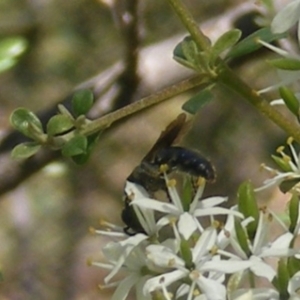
<point>250,43</point>
<point>224,42</point>
<point>59,124</point>
<point>248,206</point>
<point>25,150</point>
<point>83,158</point>
<point>10,49</point>
<point>198,101</point>
<point>288,184</point>
<point>293,265</point>
<point>293,212</point>
<point>186,49</point>
<point>82,102</point>
<point>187,53</point>
<point>26,122</point>
<point>75,146</point>
<point>282,163</point>
<point>242,237</point>
<point>283,279</point>
<point>290,64</point>
<point>186,253</point>
<point>290,100</point>
<point>187,193</point>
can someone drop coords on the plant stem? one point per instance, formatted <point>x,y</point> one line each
<point>190,24</point>
<point>169,92</point>
<point>231,80</point>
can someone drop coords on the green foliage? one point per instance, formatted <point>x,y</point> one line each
<point>290,100</point>
<point>288,184</point>
<point>196,102</point>
<point>291,64</point>
<point>187,192</point>
<point>59,124</point>
<point>251,44</point>
<point>82,102</point>
<point>25,150</point>
<point>248,206</point>
<point>283,164</point>
<point>26,122</point>
<point>282,279</point>
<point>242,237</point>
<point>91,143</point>
<point>293,265</point>
<point>75,146</point>
<point>293,212</point>
<point>10,50</point>
<point>185,250</point>
<point>187,53</point>
<point>224,42</point>
<point>58,130</point>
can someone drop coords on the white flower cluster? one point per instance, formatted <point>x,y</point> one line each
<point>196,261</point>
<point>289,165</point>
<point>183,253</point>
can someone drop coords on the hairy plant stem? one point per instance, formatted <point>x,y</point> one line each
<point>169,92</point>
<point>231,80</point>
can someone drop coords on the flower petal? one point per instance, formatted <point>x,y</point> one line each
<point>186,225</point>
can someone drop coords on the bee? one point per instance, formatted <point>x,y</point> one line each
<point>147,174</point>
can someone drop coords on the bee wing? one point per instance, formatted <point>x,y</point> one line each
<point>168,136</point>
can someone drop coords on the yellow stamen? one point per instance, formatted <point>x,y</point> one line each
<point>89,262</point>
<point>290,140</point>
<point>200,181</point>
<point>280,149</point>
<point>163,168</point>
<point>214,250</point>
<point>92,230</point>
<point>172,183</point>
<point>216,224</point>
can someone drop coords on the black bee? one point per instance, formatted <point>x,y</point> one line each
<point>148,174</point>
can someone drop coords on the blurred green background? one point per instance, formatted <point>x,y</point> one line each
<point>44,221</point>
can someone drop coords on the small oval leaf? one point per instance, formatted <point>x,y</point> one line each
<point>248,206</point>
<point>242,236</point>
<point>288,184</point>
<point>250,43</point>
<point>224,42</point>
<point>92,141</point>
<point>75,146</point>
<point>22,118</point>
<point>290,64</point>
<point>25,150</point>
<point>198,101</point>
<point>290,100</point>
<point>293,212</point>
<point>281,163</point>
<point>59,124</point>
<point>82,102</point>
<point>10,49</point>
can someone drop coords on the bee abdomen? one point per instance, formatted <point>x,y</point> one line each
<point>185,160</point>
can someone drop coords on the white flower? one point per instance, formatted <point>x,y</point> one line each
<point>294,286</point>
<point>187,222</point>
<point>287,17</point>
<point>255,294</point>
<point>206,271</point>
<point>144,214</point>
<point>261,248</point>
<point>130,259</point>
<point>268,293</point>
<point>292,167</point>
